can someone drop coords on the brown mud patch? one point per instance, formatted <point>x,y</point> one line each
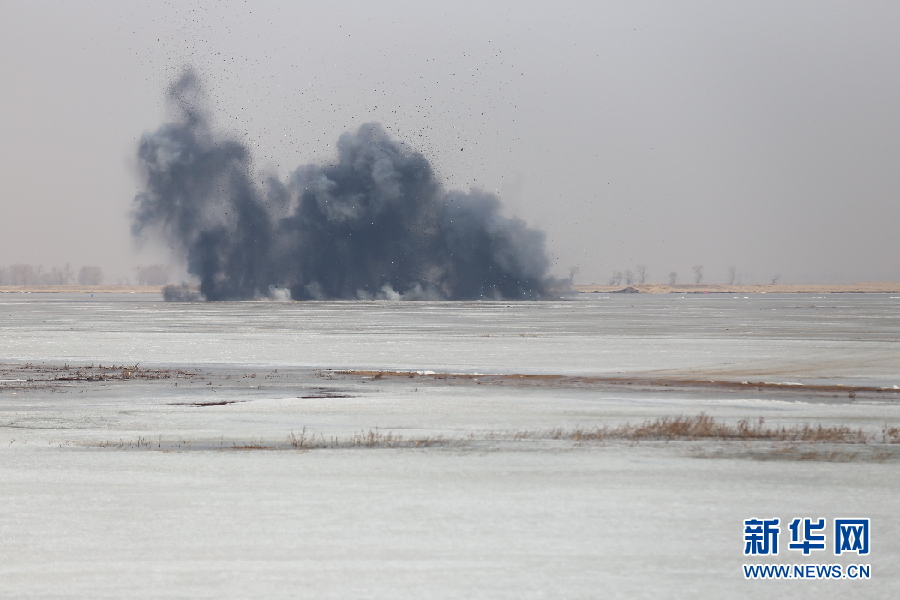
<point>213,403</point>
<point>644,383</point>
<point>30,376</point>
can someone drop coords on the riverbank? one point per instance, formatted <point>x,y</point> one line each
<point>80,289</point>
<point>865,287</point>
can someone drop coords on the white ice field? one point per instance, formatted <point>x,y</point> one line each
<point>115,483</point>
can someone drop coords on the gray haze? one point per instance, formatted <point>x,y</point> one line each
<point>763,136</point>
<point>375,224</point>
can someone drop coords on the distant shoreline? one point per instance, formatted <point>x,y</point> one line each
<point>81,289</point>
<point>867,287</point>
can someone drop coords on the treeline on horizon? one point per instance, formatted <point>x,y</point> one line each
<point>638,276</point>
<point>26,274</point>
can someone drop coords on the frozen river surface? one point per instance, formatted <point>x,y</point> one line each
<point>221,505</point>
<point>835,336</point>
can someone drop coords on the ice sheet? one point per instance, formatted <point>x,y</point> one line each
<point>839,336</point>
<point>81,517</point>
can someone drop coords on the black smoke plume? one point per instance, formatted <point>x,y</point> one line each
<point>375,224</point>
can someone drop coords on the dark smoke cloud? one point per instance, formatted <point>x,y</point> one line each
<point>375,224</point>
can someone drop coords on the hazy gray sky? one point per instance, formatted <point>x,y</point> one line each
<point>764,135</point>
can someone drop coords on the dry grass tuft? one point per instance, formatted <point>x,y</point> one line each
<point>370,439</point>
<point>704,427</point>
<point>890,435</point>
<point>699,428</point>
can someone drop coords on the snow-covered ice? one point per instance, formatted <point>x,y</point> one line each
<point>81,516</point>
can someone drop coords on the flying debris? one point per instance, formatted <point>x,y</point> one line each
<point>374,224</point>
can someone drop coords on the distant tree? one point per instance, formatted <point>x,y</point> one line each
<point>673,277</point>
<point>30,275</point>
<point>629,276</point>
<point>152,274</point>
<point>21,275</point>
<point>698,273</point>
<point>732,275</point>
<point>58,276</point>
<point>641,273</point>
<point>616,278</point>
<point>775,278</point>
<point>90,276</point>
